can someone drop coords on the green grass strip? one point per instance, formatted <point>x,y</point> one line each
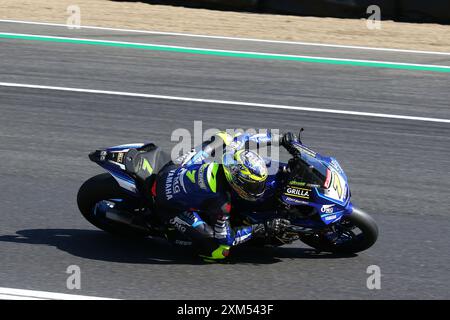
<point>224,53</point>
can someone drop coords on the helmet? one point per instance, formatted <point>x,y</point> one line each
<point>246,172</point>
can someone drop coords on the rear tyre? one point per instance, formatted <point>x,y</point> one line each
<point>348,240</point>
<point>104,187</point>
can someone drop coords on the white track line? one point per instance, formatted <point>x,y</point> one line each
<point>262,54</point>
<point>13,297</point>
<point>225,102</point>
<point>20,294</point>
<point>232,38</point>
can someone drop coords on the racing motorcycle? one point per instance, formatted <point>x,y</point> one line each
<point>311,191</point>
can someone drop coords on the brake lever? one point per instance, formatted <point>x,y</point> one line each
<point>300,135</point>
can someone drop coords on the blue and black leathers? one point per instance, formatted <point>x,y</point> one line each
<point>185,192</point>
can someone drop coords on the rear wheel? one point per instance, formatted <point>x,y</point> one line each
<point>355,232</point>
<point>103,189</point>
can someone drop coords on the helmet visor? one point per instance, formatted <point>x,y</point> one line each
<point>252,188</point>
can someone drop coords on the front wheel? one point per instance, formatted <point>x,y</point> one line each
<point>355,232</point>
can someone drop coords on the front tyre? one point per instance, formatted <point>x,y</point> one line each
<point>355,232</point>
<point>103,187</point>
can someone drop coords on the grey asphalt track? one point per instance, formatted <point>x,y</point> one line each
<point>398,169</point>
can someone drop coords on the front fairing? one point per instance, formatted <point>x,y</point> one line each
<point>330,198</point>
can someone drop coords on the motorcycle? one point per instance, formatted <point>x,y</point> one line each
<point>312,192</point>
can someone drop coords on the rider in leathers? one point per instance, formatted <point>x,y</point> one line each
<point>195,183</point>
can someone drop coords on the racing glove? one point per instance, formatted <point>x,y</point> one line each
<point>271,227</point>
<point>288,138</point>
<point>287,141</point>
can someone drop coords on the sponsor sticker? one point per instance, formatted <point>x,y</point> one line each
<point>297,192</point>
<point>332,217</point>
<point>294,201</point>
<point>327,208</point>
<point>201,177</point>
<point>297,183</point>
<point>173,184</point>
